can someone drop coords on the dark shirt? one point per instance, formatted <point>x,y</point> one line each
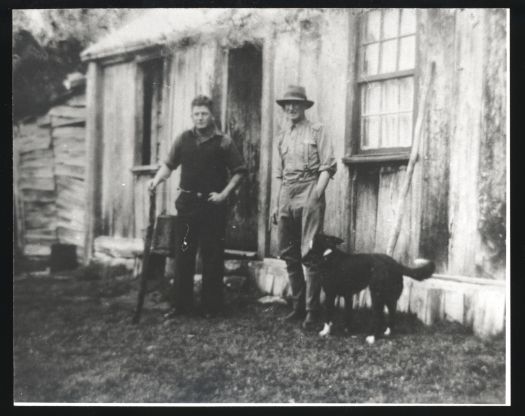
<point>210,156</point>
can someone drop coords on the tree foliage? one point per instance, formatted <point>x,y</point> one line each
<point>47,46</point>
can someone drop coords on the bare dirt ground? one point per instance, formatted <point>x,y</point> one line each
<point>74,342</point>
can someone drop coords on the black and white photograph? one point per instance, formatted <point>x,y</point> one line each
<point>260,206</point>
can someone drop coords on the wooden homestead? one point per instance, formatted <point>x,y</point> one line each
<point>415,94</point>
<point>49,158</point>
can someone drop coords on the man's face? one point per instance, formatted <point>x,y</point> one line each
<point>201,117</point>
<point>294,111</point>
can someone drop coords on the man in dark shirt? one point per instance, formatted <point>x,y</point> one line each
<point>205,156</point>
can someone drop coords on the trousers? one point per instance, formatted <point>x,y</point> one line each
<point>201,224</point>
<point>301,214</point>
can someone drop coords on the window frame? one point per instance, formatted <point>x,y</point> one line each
<point>142,61</point>
<point>398,153</point>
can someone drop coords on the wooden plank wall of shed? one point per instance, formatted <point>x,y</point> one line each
<point>243,124</point>
<point>436,43</point>
<point>493,149</point>
<point>477,146</point>
<point>461,194</point>
<point>316,56</point>
<point>69,147</point>
<point>36,186</point>
<point>118,129</point>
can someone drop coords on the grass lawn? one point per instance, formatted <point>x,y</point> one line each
<point>74,342</point>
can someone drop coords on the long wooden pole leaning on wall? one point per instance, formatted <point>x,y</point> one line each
<point>414,154</point>
<point>265,166</point>
<point>94,155</point>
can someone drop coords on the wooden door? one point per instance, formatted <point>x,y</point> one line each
<point>243,124</point>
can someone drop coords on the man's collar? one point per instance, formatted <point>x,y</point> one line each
<point>290,126</point>
<point>202,138</point>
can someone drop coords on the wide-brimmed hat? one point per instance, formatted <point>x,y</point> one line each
<point>295,93</point>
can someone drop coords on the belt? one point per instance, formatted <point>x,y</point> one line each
<point>199,195</point>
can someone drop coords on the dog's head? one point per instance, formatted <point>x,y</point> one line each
<point>322,247</point>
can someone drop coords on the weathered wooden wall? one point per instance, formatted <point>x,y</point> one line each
<point>456,209</point>
<point>118,153</point>
<point>69,150</point>
<point>35,187</point>
<point>243,124</point>
<point>464,163</point>
<point>49,168</point>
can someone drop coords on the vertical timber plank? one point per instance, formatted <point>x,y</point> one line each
<point>267,133</point>
<point>94,156</point>
<point>464,144</point>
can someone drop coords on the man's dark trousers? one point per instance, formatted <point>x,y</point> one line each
<point>201,224</point>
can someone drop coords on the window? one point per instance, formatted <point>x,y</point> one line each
<point>151,111</point>
<point>387,45</point>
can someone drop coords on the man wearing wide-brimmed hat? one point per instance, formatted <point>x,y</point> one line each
<point>307,164</point>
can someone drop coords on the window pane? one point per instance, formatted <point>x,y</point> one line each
<point>390,23</point>
<point>389,131</point>
<point>370,132</point>
<point>408,21</point>
<point>372,26</point>
<point>391,96</point>
<point>372,98</point>
<point>389,56</point>
<point>406,93</point>
<point>370,59</point>
<point>408,53</point>
<point>405,129</point>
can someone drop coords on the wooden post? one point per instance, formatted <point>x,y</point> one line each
<point>265,167</point>
<point>18,202</point>
<point>93,154</point>
<point>413,158</point>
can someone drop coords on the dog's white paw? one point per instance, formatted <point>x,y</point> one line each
<point>370,339</point>
<point>387,331</point>
<point>326,329</point>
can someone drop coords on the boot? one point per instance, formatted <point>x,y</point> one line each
<point>312,318</point>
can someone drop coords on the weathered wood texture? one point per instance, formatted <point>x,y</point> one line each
<point>456,214</point>
<point>477,178</point>
<point>35,190</point>
<point>69,150</point>
<point>94,149</point>
<point>493,149</point>
<point>266,149</point>
<point>118,130</point>
<point>243,124</point>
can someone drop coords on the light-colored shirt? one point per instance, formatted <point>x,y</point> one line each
<point>305,151</point>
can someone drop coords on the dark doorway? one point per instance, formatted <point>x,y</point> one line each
<point>243,124</point>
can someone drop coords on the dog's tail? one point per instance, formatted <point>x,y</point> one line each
<point>423,269</point>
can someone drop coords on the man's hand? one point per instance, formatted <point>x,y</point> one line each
<point>217,198</point>
<point>152,186</point>
<point>274,216</point>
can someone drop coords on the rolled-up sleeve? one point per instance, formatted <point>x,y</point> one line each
<point>173,159</point>
<point>326,152</point>
<point>233,157</point>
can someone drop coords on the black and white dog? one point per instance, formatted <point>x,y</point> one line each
<point>347,274</point>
